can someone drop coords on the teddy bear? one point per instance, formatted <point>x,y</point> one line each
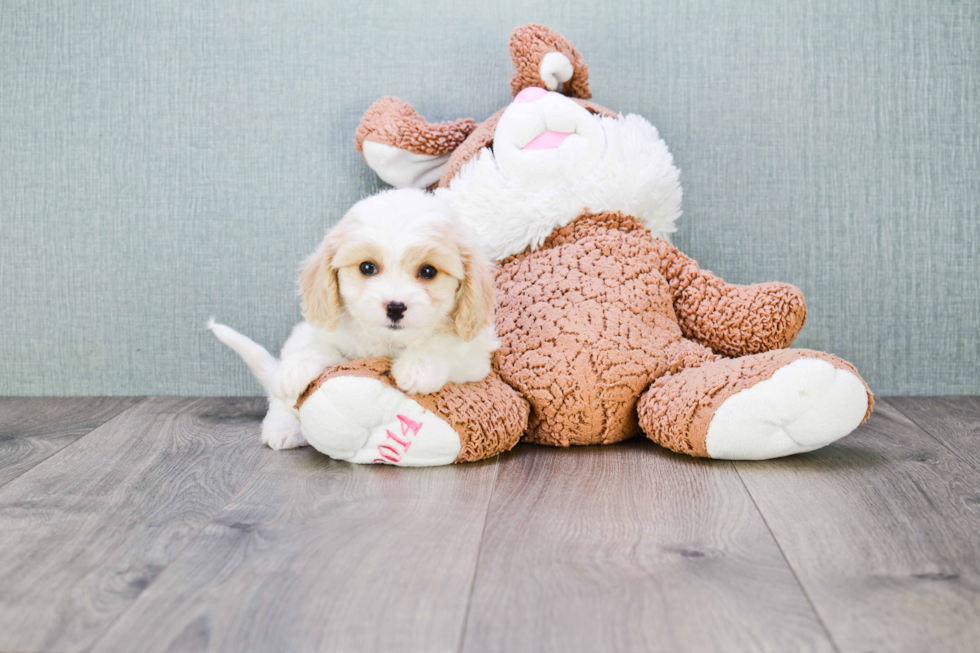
<point>606,329</point>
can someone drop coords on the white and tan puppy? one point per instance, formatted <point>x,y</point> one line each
<point>398,277</point>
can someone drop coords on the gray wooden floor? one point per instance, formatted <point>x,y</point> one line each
<point>161,524</point>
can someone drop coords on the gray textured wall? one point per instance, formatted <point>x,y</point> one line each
<point>164,161</point>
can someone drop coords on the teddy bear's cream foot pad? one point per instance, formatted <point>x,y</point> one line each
<point>803,406</point>
<point>361,420</point>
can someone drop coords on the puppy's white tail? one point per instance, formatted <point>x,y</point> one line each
<point>261,362</point>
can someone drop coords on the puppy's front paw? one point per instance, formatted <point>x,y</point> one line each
<point>293,377</point>
<point>420,376</point>
<point>285,439</point>
<point>281,430</point>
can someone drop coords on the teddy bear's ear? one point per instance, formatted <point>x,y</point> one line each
<point>403,148</point>
<point>542,57</point>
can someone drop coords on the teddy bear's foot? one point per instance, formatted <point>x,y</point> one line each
<point>361,419</point>
<point>803,406</point>
<point>768,405</point>
<point>354,412</point>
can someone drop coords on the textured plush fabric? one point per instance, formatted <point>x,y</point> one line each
<point>395,123</point>
<point>677,409</point>
<point>488,416</point>
<point>589,320</point>
<point>528,46</point>
<point>164,162</point>
<point>592,308</point>
<point>588,325</point>
<point>732,320</point>
<point>367,367</point>
<point>482,137</point>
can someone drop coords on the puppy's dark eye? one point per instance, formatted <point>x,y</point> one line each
<point>427,272</point>
<point>368,269</point>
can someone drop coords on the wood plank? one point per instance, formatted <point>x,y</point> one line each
<point>83,533</point>
<point>631,548</point>
<point>321,555</point>
<point>881,528</point>
<point>34,428</point>
<point>954,421</point>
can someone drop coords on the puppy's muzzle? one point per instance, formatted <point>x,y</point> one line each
<point>395,311</point>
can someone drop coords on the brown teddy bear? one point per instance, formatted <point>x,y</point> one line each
<point>606,328</point>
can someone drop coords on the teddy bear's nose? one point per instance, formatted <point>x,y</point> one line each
<point>531,94</point>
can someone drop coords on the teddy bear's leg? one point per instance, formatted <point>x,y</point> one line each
<point>766,405</point>
<point>354,412</point>
<point>733,320</point>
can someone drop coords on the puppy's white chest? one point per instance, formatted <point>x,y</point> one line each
<point>368,348</point>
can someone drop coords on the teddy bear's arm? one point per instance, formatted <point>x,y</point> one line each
<point>405,149</point>
<point>732,320</point>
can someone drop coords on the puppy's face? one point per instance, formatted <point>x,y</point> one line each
<point>401,267</point>
<point>399,289</point>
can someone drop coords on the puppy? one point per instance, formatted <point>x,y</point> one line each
<point>398,277</point>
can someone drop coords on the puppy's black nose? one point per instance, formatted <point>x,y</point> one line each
<point>395,311</point>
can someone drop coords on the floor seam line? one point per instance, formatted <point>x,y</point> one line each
<point>479,553</point>
<point>177,555</point>
<point>922,428</point>
<point>789,565</point>
<point>75,441</point>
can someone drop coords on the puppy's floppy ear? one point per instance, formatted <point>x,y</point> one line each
<point>319,286</point>
<point>475,297</point>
